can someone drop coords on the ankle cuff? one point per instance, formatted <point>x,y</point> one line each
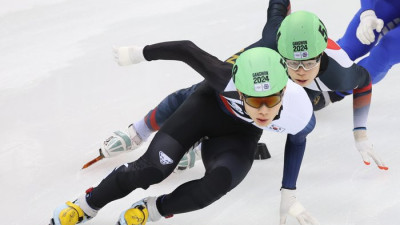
<point>81,201</point>
<point>142,129</point>
<point>154,214</point>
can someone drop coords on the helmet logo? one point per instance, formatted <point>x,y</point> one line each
<point>278,35</point>
<point>234,71</point>
<point>300,49</point>
<point>261,81</point>
<point>283,63</point>
<point>323,32</point>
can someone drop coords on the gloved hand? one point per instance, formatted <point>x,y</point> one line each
<point>366,149</point>
<point>120,142</point>
<point>128,55</point>
<point>368,23</point>
<point>190,157</point>
<point>290,206</point>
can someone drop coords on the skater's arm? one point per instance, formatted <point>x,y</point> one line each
<point>340,73</point>
<point>216,72</point>
<point>294,151</point>
<point>277,11</point>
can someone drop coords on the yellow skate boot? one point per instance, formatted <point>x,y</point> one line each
<point>140,212</point>
<point>72,213</point>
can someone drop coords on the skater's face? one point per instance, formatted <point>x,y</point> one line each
<point>303,72</point>
<point>263,110</point>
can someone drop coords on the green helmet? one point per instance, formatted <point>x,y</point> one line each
<point>301,36</point>
<point>260,72</point>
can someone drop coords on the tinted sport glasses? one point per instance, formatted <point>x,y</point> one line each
<point>306,64</point>
<point>269,101</point>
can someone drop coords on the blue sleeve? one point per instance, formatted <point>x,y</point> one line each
<point>294,152</point>
<point>350,43</point>
<point>367,4</point>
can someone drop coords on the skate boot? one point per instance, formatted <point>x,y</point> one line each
<point>120,142</point>
<point>140,212</point>
<point>72,213</point>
